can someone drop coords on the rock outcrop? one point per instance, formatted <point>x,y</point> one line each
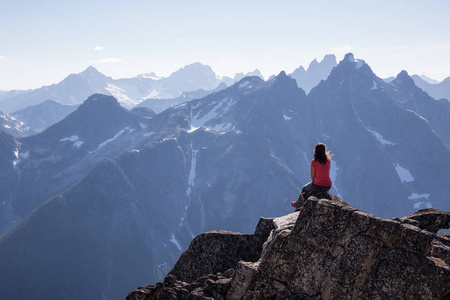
<point>325,250</point>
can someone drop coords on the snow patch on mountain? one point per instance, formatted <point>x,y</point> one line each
<point>201,117</point>
<point>153,94</point>
<point>221,127</point>
<point>151,75</point>
<point>403,174</point>
<point>162,265</point>
<point>415,196</point>
<point>380,138</point>
<point>244,84</point>
<point>111,139</point>
<point>174,240</point>
<point>192,129</point>
<point>333,175</point>
<point>184,222</point>
<point>420,205</point>
<point>74,138</point>
<point>192,170</point>
<point>183,216</point>
<point>13,126</point>
<point>198,121</point>
<point>16,154</point>
<point>418,115</point>
<point>120,95</point>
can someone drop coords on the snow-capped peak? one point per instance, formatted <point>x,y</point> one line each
<point>151,75</point>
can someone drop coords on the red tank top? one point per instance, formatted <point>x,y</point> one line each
<point>322,173</point>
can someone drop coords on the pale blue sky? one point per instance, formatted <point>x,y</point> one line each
<point>41,42</point>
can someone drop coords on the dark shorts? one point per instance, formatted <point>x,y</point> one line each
<point>311,187</point>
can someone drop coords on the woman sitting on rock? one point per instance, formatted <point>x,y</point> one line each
<point>320,174</point>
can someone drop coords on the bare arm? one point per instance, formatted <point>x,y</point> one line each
<point>313,173</point>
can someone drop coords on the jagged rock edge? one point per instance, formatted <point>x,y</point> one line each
<point>198,291</point>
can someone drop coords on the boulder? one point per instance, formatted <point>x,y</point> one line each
<point>327,249</point>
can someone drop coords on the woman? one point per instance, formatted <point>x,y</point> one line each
<point>320,173</point>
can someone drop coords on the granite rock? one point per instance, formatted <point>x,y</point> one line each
<point>327,249</point>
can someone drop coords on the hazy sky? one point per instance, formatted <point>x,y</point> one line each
<point>41,42</point>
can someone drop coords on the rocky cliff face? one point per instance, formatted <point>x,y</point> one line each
<point>325,250</point>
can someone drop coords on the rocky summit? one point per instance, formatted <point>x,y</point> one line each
<point>327,249</point>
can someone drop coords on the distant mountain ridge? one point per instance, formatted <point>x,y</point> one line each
<point>75,88</point>
<point>436,90</point>
<point>43,115</point>
<point>309,78</point>
<point>238,76</point>
<point>159,105</point>
<point>15,127</point>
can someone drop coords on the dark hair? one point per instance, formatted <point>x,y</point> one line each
<point>321,154</point>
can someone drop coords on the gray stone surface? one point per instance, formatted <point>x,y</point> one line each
<point>326,250</point>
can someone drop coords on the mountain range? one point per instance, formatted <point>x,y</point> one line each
<point>159,93</point>
<point>36,110</point>
<point>158,105</point>
<point>115,195</point>
<point>437,90</point>
<point>41,116</point>
<point>15,127</point>
<point>75,88</point>
<point>316,71</point>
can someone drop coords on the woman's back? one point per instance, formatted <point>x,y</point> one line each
<point>322,177</point>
